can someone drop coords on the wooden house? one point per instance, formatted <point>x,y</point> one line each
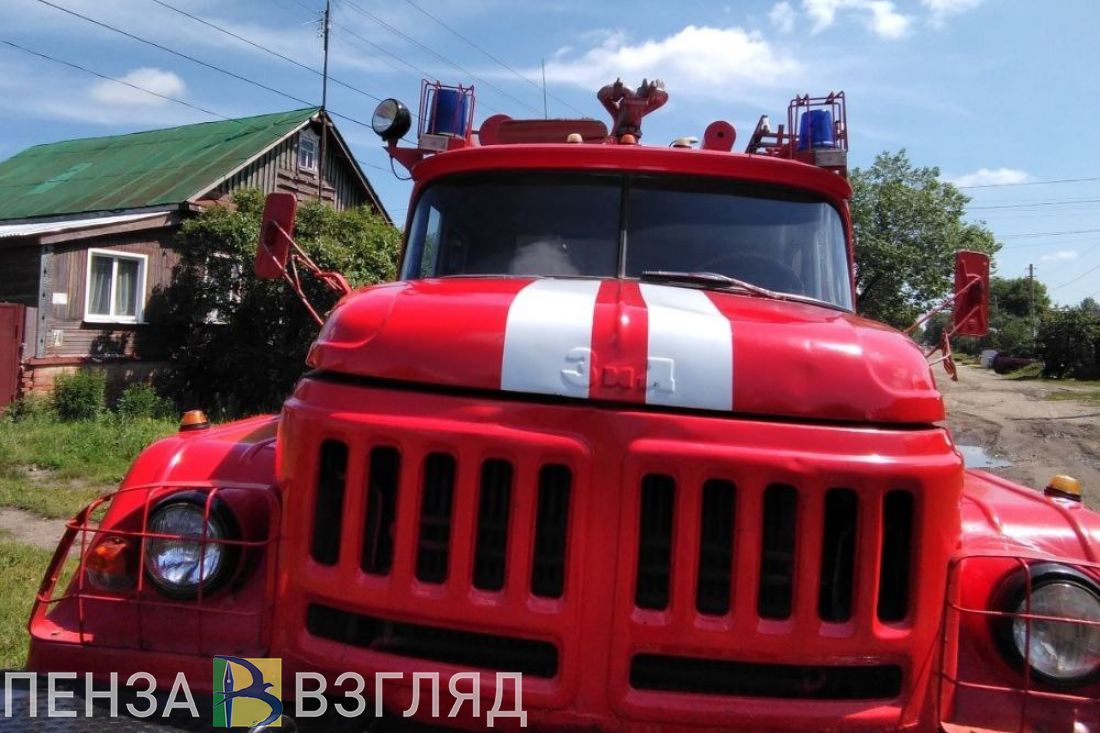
<point>87,229</point>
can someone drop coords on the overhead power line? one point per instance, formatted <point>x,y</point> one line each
<point>1035,204</point>
<point>266,50</point>
<point>1030,183</point>
<point>420,73</point>
<point>1080,277</point>
<point>493,58</point>
<point>200,62</point>
<point>180,54</point>
<point>1048,234</point>
<point>138,87</point>
<point>367,42</point>
<point>444,59</point>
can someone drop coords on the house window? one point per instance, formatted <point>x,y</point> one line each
<point>115,287</point>
<point>307,150</point>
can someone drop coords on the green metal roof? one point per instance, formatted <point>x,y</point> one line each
<point>142,169</point>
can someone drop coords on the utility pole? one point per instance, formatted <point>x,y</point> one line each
<point>325,30</point>
<point>545,113</point>
<point>1031,293</point>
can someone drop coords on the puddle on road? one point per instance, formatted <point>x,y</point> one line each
<point>976,456</point>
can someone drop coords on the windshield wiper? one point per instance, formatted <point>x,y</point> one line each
<point>711,279</point>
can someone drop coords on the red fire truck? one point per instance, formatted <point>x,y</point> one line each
<point>616,428</point>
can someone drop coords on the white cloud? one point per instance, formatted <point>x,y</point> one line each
<point>155,80</point>
<point>880,16</point>
<point>991,177</point>
<point>941,9</point>
<point>699,61</point>
<point>1061,255</point>
<point>782,16</point>
<point>887,22</point>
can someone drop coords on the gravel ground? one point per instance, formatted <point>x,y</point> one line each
<point>1014,421</point>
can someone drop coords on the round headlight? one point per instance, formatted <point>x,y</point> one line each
<point>1059,652</point>
<point>391,120</point>
<point>181,565</point>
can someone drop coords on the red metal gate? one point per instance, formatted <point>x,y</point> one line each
<point>11,349</point>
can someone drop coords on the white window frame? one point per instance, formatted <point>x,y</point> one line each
<point>315,139</point>
<point>115,256</point>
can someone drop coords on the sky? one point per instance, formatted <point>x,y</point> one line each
<point>1003,96</point>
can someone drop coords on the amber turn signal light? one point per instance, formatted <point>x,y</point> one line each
<point>1064,487</point>
<point>108,565</point>
<point>194,420</point>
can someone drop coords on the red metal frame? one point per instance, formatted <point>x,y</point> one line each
<point>972,281</point>
<point>74,601</point>
<point>1011,700</point>
<point>429,99</point>
<point>834,104</point>
<point>784,142</point>
<point>334,281</point>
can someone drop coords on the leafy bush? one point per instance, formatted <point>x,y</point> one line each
<point>240,342</point>
<point>142,401</point>
<point>1069,344</point>
<point>80,396</point>
<point>30,407</point>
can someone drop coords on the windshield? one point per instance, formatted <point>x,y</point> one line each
<point>591,225</point>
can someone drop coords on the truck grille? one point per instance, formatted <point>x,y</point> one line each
<point>551,526</point>
<point>805,682</point>
<point>436,501</point>
<point>779,549</point>
<point>657,523</point>
<point>492,525</point>
<point>435,528</point>
<point>897,540</point>
<point>382,476</point>
<point>331,480</point>
<point>712,595</point>
<point>764,564</point>
<point>655,542</point>
<point>483,651</point>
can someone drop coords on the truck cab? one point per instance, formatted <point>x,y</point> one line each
<point>617,429</point>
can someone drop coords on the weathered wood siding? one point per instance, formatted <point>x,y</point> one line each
<point>69,274</point>
<point>277,170</point>
<point>19,274</point>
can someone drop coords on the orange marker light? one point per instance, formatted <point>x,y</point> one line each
<point>1064,487</point>
<point>194,420</point>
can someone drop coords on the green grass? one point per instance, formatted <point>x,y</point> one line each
<point>21,568</point>
<point>54,468</point>
<point>1031,371</point>
<point>1078,395</point>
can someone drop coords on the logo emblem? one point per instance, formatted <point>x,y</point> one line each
<point>247,692</point>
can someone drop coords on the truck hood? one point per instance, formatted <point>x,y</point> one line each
<point>1000,517</point>
<point>622,341</point>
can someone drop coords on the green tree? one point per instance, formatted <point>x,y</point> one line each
<point>908,225</point>
<point>1012,297</point>
<point>1089,305</point>
<point>1069,343</point>
<point>240,343</point>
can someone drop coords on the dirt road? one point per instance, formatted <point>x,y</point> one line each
<point>1013,421</point>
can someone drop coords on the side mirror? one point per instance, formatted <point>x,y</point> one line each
<point>276,228</point>
<point>971,316</point>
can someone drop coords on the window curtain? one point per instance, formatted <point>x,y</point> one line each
<point>100,300</point>
<point>126,288</point>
